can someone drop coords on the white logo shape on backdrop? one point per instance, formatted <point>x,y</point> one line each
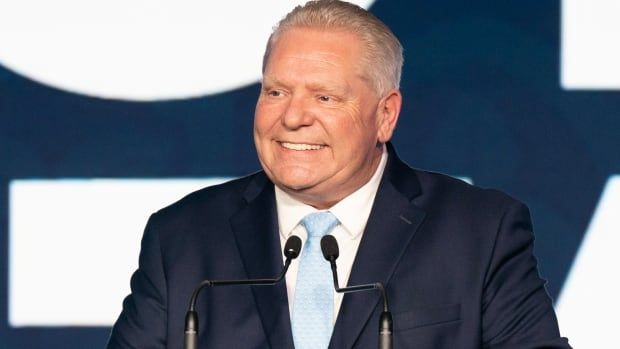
<point>139,50</point>
<point>590,45</point>
<point>589,304</point>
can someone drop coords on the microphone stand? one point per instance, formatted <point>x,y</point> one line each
<point>291,251</point>
<point>329,247</point>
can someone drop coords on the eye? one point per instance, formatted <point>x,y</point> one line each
<point>274,93</point>
<point>325,98</point>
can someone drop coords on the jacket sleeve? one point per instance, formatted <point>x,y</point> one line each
<point>516,309</point>
<point>142,322</point>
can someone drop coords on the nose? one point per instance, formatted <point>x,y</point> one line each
<point>296,114</point>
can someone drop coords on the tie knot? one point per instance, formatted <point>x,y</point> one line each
<point>319,224</point>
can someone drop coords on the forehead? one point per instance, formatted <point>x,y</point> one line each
<point>328,48</point>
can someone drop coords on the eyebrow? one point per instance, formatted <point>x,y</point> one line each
<point>273,81</point>
<point>335,88</point>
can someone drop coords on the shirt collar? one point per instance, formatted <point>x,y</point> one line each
<point>352,211</point>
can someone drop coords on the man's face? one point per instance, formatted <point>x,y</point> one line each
<point>319,124</point>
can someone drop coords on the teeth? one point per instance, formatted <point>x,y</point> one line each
<point>299,146</point>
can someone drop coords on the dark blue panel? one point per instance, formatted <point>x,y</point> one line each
<point>482,99</point>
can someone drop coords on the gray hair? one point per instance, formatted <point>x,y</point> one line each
<point>383,57</point>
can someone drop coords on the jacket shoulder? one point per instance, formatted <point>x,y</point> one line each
<point>457,191</point>
<point>217,198</point>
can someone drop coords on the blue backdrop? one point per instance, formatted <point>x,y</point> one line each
<point>482,99</point>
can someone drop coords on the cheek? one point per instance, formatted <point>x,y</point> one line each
<point>261,135</point>
<point>263,121</point>
<point>353,131</point>
<point>359,119</point>
<point>268,114</point>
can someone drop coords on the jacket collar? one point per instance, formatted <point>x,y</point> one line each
<point>256,232</point>
<point>391,226</point>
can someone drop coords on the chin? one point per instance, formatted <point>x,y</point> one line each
<point>299,185</point>
<point>297,177</point>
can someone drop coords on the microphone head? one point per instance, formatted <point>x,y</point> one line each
<point>292,247</point>
<point>329,247</point>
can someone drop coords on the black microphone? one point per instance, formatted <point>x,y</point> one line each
<point>330,250</point>
<point>291,251</point>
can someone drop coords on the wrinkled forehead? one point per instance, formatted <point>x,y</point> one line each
<point>329,39</point>
<point>334,47</point>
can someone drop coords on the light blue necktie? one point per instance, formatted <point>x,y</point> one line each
<point>313,308</point>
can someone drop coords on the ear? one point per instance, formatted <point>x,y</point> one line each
<point>388,111</point>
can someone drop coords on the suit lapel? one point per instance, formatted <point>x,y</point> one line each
<point>256,232</point>
<point>390,228</point>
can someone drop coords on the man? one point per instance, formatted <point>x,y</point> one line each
<point>456,260</point>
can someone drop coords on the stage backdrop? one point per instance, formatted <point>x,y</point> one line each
<point>109,111</point>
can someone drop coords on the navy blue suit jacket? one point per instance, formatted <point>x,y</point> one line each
<point>457,262</point>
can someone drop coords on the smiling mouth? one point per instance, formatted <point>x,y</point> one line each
<point>301,146</point>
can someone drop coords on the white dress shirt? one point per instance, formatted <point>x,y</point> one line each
<point>352,212</point>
